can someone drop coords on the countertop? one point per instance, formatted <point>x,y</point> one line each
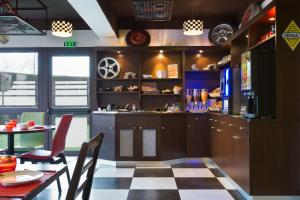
<point>142,113</point>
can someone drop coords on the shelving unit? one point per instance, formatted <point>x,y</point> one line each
<point>148,60</point>
<point>263,62</point>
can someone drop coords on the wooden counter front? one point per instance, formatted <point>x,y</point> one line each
<point>142,136</point>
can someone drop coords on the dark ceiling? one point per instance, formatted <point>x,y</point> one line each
<point>57,10</point>
<point>121,13</point>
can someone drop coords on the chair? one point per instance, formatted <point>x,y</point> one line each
<point>56,155</point>
<point>27,142</point>
<point>75,189</point>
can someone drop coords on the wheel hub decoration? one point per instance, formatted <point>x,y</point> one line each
<point>108,68</point>
<point>221,33</point>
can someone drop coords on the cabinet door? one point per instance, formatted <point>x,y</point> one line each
<point>105,124</point>
<point>198,137</point>
<point>148,137</point>
<point>243,156</point>
<point>173,136</point>
<point>126,138</point>
<point>216,140</point>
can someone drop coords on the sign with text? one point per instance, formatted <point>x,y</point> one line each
<point>291,35</point>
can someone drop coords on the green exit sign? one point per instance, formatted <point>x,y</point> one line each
<point>70,44</point>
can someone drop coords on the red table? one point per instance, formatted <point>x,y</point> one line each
<point>10,135</point>
<point>31,190</point>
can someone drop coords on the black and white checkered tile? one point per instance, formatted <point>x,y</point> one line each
<point>194,180</point>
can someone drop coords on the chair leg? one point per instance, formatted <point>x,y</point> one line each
<point>22,161</point>
<point>68,175</point>
<point>58,185</point>
<point>64,160</point>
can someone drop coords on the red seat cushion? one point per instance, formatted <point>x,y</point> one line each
<point>37,155</point>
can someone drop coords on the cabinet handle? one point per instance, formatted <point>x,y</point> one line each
<point>163,128</point>
<point>219,130</point>
<point>140,127</point>
<point>230,125</point>
<point>210,119</point>
<point>212,127</point>
<point>189,126</point>
<point>243,128</point>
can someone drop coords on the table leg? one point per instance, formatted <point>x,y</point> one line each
<point>10,144</point>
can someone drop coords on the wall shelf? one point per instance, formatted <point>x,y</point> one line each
<point>148,60</point>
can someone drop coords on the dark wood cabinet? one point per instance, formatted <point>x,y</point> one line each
<point>198,137</point>
<point>231,147</point>
<point>137,137</point>
<point>173,136</point>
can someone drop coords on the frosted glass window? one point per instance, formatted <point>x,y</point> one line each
<point>149,142</point>
<point>78,131</point>
<point>18,79</point>
<point>126,143</point>
<point>70,75</point>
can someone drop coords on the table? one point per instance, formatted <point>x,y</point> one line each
<point>10,135</point>
<point>31,190</point>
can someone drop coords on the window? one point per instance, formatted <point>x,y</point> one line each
<point>70,81</point>
<point>78,131</point>
<point>18,79</point>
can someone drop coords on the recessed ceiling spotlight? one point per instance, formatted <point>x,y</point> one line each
<point>200,51</point>
<point>272,19</point>
<point>161,51</point>
<point>247,36</point>
<point>118,52</point>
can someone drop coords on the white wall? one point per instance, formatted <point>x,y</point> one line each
<point>87,38</point>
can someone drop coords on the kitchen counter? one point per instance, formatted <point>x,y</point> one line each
<point>152,135</point>
<point>141,113</point>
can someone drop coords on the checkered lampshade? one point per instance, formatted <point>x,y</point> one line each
<point>62,28</point>
<point>193,27</point>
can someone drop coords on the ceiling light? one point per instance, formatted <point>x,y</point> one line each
<point>118,52</point>
<point>62,28</point>
<point>161,51</point>
<point>200,51</point>
<point>193,27</point>
<point>272,19</point>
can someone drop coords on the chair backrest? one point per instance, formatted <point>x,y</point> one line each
<point>33,139</point>
<point>59,140</point>
<point>38,117</point>
<point>75,189</point>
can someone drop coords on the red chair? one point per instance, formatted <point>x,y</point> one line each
<point>56,155</point>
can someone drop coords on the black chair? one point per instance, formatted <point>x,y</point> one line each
<point>75,189</point>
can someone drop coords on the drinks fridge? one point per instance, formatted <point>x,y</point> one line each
<point>258,83</point>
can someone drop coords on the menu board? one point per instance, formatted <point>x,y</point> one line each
<point>246,71</point>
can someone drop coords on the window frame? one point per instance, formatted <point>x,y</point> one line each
<point>39,86</point>
<point>52,111</point>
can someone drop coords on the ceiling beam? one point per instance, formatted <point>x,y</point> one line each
<point>92,14</point>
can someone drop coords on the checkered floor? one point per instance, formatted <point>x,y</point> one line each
<point>194,180</point>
